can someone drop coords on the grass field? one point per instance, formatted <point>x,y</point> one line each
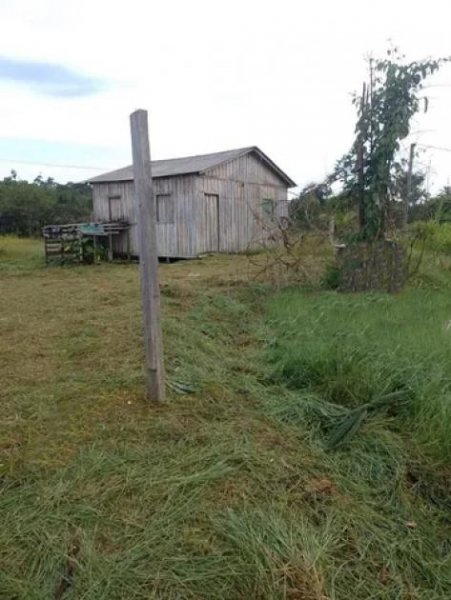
<point>233,490</point>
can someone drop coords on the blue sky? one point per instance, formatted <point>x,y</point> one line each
<point>279,76</point>
<point>48,78</point>
<point>58,82</point>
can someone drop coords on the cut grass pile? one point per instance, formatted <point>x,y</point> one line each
<point>227,492</point>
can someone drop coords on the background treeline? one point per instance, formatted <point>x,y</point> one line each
<point>316,204</point>
<point>26,207</point>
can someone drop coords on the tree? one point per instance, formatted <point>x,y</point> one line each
<point>438,207</point>
<point>306,208</point>
<point>418,192</point>
<point>371,169</point>
<point>26,207</point>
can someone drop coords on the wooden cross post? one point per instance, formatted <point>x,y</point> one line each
<point>148,255</point>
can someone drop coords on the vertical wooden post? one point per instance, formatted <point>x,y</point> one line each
<point>80,247</point>
<point>408,197</point>
<point>110,237</point>
<point>127,234</point>
<point>148,255</point>
<point>363,217</point>
<point>94,248</point>
<point>110,247</point>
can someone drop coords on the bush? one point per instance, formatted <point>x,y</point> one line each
<point>430,236</point>
<point>332,277</point>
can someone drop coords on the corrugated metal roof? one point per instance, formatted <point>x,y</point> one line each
<point>188,165</point>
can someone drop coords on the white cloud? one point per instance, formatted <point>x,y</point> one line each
<point>216,75</point>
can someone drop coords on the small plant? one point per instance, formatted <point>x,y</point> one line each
<point>92,252</point>
<point>332,277</point>
<point>82,250</point>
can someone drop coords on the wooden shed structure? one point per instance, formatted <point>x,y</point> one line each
<point>217,202</point>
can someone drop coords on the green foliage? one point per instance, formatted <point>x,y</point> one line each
<point>332,277</point>
<point>437,236</point>
<point>310,209</point>
<point>437,208</point>
<point>431,208</point>
<point>26,207</point>
<point>93,253</point>
<point>371,170</point>
<point>442,205</point>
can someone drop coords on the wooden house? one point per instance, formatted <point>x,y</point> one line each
<point>219,202</point>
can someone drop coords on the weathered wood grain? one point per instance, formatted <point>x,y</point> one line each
<point>145,211</point>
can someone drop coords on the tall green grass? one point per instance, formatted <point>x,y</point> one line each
<point>388,518</point>
<point>438,236</point>
<point>355,349</point>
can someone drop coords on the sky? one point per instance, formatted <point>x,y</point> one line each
<point>213,76</point>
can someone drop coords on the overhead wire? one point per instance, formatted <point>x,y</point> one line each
<point>441,148</point>
<point>59,165</point>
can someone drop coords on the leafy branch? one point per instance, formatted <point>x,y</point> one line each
<point>388,101</point>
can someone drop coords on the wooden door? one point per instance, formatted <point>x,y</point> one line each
<point>211,222</point>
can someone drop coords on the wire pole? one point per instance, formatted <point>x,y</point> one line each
<point>148,256</point>
<point>360,160</point>
<point>408,196</point>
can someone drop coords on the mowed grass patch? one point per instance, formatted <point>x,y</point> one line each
<point>101,495</point>
<point>225,492</point>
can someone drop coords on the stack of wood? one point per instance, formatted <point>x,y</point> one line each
<point>63,243</point>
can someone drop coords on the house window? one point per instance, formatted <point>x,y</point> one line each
<point>165,208</point>
<point>268,209</point>
<point>115,208</point>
